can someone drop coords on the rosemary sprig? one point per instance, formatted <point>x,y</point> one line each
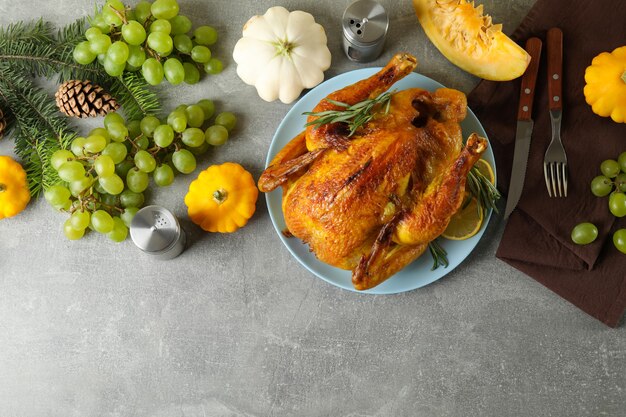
<point>355,115</point>
<point>439,254</point>
<point>485,192</point>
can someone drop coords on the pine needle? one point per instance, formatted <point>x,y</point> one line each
<point>355,115</point>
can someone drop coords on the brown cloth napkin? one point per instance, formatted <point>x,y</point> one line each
<point>536,239</point>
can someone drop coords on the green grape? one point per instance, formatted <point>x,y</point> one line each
<point>192,75</point>
<point>195,115</point>
<point>137,181</point>
<point>80,185</point>
<point>112,185</point>
<point>200,150</point>
<point>133,33</point>
<point>131,199</point>
<point>216,135</point>
<point>109,199</point>
<point>620,182</point>
<point>200,54</point>
<point>101,58</point>
<point>617,204</point>
<point>205,35</point>
<point>130,15</point>
<point>183,43</point>
<point>83,53</point>
<point>601,186</point>
<point>621,160</point>
<point>193,137</point>
<point>95,143</point>
<point>98,188</point>
<point>118,53</point>
<point>144,161</point>
<point>184,161</point>
<point>142,11</point>
<point>102,222</point>
<point>116,151</point>
<point>136,56</point>
<point>208,107</point>
<point>174,71</point>
<point>164,9</point>
<point>101,131</point>
<point>119,232</point>
<point>160,42</point>
<point>59,157</point>
<point>97,21</point>
<point>128,214</point>
<point>180,24</point>
<point>114,70</point>
<point>163,175</point>
<point>619,240</point>
<point>152,71</point>
<point>214,66</point>
<point>57,195</point>
<point>163,136</point>
<point>142,142</point>
<point>161,25</point>
<point>610,168</point>
<point>104,165</point>
<point>148,125</point>
<point>78,146</point>
<point>226,119</point>
<point>123,167</point>
<point>100,44</point>
<point>71,171</point>
<point>134,128</point>
<point>117,131</point>
<point>80,219</point>
<point>92,32</point>
<point>72,233</point>
<point>584,233</point>
<point>178,120</point>
<point>110,17</point>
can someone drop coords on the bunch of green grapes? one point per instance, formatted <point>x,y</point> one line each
<point>104,175</point>
<point>152,38</point>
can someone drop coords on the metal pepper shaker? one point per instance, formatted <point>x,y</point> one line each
<point>365,24</point>
<point>156,231</point>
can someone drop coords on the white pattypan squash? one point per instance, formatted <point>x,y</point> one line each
<point>281,53</point>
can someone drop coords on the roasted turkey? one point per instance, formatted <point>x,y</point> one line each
<point>372,202</point>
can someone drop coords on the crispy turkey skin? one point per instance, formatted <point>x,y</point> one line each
<point>373,201</point>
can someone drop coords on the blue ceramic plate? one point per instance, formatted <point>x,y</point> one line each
<point>415,275</point>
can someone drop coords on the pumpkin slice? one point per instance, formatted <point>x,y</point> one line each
<point>470,40</point>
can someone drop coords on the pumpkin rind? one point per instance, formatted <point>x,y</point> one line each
<point>14,193</point>
<point>281,53</point>
<point>605,89</point>
<point>470,40</point>
<point>236,208</point>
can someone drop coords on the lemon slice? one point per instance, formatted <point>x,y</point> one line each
<point>485,169</point>
<point>466,222</point>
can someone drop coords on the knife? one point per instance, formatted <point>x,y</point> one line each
<point>524,126</point>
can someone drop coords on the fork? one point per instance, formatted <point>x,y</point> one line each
<point>555,159</point>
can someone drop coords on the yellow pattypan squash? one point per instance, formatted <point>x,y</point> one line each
<point>605,91</point>
<point>222,198</point>
<point>14,194</point>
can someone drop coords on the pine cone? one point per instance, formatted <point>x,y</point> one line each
<point>78,98</point>
<point>3,123</point>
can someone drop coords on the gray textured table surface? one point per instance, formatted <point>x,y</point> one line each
<point>236,327</point>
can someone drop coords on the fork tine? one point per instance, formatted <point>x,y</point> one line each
<point>552,180</point>
<point>559,165</point>
<point>545,175</point>
<point>565,178</point>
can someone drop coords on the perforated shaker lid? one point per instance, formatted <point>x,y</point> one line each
<point>365,22</point>
<point>154,229</point>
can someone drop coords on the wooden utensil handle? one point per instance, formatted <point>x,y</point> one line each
<point>529,79</point>
<point>555,68</point>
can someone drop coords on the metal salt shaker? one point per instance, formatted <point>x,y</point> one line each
<point>156,231</point>
<point>365,24</point>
